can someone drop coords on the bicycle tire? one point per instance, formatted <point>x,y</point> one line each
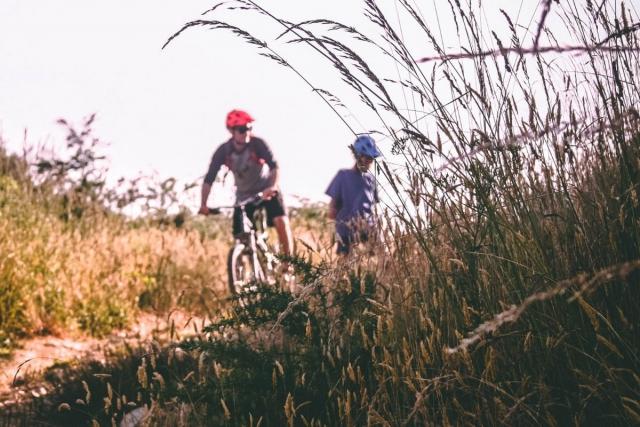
<point>268,261</point>
<point>240,270</point>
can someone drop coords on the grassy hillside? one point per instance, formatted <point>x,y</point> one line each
<point>70,261</point>
<point>504,289</point>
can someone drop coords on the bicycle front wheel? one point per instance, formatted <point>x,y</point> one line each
<point>243,274</point>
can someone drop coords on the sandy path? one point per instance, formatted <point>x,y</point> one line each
<point>19,373</point>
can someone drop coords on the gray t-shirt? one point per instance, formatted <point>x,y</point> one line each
<point>250,167</point>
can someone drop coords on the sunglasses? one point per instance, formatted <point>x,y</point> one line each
<point>242,129</point>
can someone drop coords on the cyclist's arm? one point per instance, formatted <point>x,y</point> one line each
<point>334,191</point>
<point>263,151</point>
<point>274,177</point>
<point>333,209</point>
<point>272,189</point>
<point>216,163</point>
<point>204,196</point>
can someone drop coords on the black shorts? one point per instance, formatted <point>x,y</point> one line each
<point>274,208</point>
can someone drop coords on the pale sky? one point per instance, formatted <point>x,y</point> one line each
<point>163,110</point>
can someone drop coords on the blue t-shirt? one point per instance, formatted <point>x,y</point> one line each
<point>354,193</point>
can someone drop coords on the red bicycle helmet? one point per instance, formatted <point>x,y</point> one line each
<point>238,118</point>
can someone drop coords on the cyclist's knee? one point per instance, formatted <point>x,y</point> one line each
<point>282,224</point>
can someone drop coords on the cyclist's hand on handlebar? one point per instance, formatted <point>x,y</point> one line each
<point>269,193</point>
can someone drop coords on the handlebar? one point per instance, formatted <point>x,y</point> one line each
<point>253,200</point>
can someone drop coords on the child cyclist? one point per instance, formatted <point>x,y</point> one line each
<point>353,195</point>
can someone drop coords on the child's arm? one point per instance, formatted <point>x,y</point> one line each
<point>334,192</point>
<point>333,209</point>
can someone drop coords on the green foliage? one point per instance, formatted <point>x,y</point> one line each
<point>261,306</point>
<point>68,257</point>
<point>51,300</point>
<point>99,316</point>
<point>13,319</point>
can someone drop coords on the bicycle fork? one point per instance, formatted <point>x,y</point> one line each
<point>255,262</point>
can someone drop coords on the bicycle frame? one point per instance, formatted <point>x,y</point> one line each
<point>250,242</point>
<point>248,238</point>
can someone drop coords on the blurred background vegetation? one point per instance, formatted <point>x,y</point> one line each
<point>71,260</point>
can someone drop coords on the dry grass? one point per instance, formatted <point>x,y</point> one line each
<point>513,238</point>
<point>99,278</point>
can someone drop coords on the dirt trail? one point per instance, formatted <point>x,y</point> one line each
<point>19,377</point>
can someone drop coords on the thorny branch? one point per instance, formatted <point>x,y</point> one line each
<point>585,285</point>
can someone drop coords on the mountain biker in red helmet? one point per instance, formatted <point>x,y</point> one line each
<point>255,170</point>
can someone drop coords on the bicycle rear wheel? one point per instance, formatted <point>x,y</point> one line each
<point>243,276</point>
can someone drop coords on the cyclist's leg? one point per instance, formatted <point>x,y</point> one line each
<point>285,237</point>
<point>277,216</point>
<point>344,244</point>
<point>237,222</point>
<point>250,210</point>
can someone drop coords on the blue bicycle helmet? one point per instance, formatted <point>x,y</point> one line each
<point>366,146</point>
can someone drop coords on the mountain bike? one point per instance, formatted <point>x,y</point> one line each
<point>251,260</point>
